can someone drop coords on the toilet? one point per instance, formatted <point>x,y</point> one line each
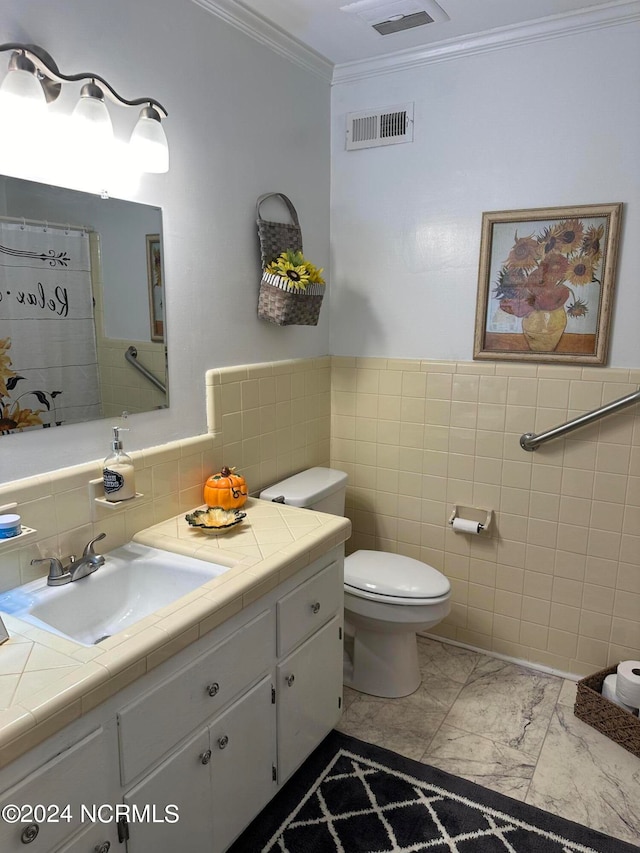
<point>387,597</point>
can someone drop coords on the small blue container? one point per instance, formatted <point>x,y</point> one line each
<point>9,526</point>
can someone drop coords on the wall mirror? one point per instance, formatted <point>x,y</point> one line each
<point>82,325</point>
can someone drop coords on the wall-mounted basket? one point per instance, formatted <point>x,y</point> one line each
<point>279,302</point>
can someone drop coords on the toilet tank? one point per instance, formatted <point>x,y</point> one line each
<point>322,489</point>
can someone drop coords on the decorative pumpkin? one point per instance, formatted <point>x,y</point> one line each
<point>226,489</point>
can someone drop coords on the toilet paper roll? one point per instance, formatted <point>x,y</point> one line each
<point>609,692</point>
<point>628,683</point>
<point>463,525</point>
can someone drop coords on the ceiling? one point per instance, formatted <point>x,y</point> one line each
<point>343,37</point>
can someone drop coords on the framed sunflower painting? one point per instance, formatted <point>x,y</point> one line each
<point>156,287</point>
<point>545,287</point>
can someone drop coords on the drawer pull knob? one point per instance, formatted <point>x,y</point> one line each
<point>290,679</point>
<point>102,848</point>
<point>30,833</point>
<point>212,689</point>
<point>315,607</point>
<point>223,741</point>
<point>205,757</point>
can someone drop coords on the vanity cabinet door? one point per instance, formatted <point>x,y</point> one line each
<point>309,688</point>
<point>183,781</point>
<point>242,763</point>
<point>83,775</point>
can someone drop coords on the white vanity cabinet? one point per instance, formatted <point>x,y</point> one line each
<point>208,736</point>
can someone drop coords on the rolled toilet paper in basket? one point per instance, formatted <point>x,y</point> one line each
<point>609,692</point>
<point>628,683</point>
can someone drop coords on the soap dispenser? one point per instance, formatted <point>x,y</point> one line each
<point>118,473</point>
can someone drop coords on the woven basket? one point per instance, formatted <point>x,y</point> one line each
<point>284,305</point>
<point>605,716</point>
<point>277,237</point>
<point>278,302</point>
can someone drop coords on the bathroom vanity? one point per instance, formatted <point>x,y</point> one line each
<point>185,729</point>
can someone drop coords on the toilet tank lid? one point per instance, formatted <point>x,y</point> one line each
<point>307,487</point>
<point>382,573</point>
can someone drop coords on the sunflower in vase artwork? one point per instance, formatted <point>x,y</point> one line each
<point>539,280</point>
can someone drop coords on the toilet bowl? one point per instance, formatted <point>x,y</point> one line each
<point>387,597</point>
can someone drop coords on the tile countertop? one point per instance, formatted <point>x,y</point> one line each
<point>47,681</point>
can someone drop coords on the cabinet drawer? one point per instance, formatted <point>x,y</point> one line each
<point>153,724</point>
<point>309,606</point>
<point>78,776</point>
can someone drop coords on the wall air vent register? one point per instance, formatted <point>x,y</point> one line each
<point>374,128</point>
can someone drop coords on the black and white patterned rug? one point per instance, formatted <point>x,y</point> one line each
<point>352,797</point>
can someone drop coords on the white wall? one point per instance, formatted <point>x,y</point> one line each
<point>242,121</point>
<point>544,124</point>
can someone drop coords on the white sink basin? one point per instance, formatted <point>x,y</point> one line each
<point>134,581</point>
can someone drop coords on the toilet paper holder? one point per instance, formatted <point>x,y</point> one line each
<point>481,516</point>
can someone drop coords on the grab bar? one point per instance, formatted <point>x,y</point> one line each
<point>530,441</point>
<point>131,356</point>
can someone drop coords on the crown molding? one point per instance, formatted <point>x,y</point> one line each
<point>265,33</point>
<point>555,26</point>
<point>615,13</point>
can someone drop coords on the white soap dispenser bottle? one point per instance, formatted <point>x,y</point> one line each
<point>118,473</point>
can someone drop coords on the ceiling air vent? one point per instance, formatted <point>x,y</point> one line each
<point>394,16</point>
<point>372,128</point>
<point>402,22</point>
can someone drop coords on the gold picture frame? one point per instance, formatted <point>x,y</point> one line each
<point>545,284</point>
<point>155,279</point>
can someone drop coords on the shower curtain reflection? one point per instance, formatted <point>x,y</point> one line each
<point>48,360</point>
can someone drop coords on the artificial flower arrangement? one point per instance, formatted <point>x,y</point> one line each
<point>295,269</point>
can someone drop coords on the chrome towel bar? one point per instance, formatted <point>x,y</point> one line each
<point>531,441</point>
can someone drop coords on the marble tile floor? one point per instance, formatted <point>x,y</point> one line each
<point>509,728</point>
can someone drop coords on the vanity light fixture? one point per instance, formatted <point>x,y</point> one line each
<point>35,80</point>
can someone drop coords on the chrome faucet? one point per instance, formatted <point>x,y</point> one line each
<point>72,569</point>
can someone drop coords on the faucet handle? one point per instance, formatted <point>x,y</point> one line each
<point>56,568</point>
<point>88,549</point>
<point>54,562</point>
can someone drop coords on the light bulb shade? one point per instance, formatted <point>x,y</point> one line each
<point>149,147</point>
<point>22,88</point>
<point>91,118</point>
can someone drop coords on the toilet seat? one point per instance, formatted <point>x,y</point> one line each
<point>393,579</point>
